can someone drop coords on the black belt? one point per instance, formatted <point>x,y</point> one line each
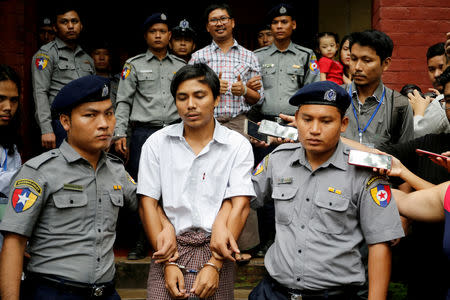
<point>295,294</point>
<point>149,125</point>
<point>77,288</point>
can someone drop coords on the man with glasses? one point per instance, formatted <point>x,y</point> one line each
<point>234,65</point>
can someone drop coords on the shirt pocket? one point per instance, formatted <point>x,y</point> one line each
<point>86,69</point>
<point>330,213</point>
<point>68,213</point>
<point>283,197</point>
<point>114,201</point>
<point>147,82</point>
<point>268,77</point>
<point>66,71</point>
<point>295,76</point>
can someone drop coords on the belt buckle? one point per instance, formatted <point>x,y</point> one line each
<point>98,291</point>
<point>296,296</point>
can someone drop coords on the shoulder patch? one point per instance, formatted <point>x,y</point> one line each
<point>37,161</point>
<point>313,65</point>
<point>126,71</point>
<point>375,178</point>
<point>261,166</point>
<point>381,194</point>
<point>41,61</point>
<point>26,192</point>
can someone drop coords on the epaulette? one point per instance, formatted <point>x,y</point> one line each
<point>261,49</point>
<point>37,161</point>
<point>303,49</point>
<point>287,146</point>
<point>47,46</point>
<point>136,57</point>
<point>177,58</point>
<point>114,158</point>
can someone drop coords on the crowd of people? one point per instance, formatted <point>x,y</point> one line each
<point>208,194</point>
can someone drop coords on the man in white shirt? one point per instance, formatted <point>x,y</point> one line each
<point>199,172</point>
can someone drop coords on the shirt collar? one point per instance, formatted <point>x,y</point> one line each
<point>60,44</point>
<point>376,94</point>
<point>71,155</point>
<point>273,49</point>
<point>337,159</point>
<point>215,47</point>
<point>219,134</point>
<point>149,55</point>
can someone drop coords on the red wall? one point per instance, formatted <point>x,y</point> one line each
<point>413,25</point>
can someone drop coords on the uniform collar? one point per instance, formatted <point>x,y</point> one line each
<point>149,55</point>
<point>273,49</point>
<point>337,159</point>
<point>71,155</point>
<point>215,47</point>
<point>60,44</point>
<point>376,94</point>
<point>219,135</point>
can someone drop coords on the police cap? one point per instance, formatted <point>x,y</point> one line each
<point>322,93</point>
<point>282,9</point>
<point>45,21</point>
<point>183,30</point>
<point>154,19</point>
<point>91,88</point>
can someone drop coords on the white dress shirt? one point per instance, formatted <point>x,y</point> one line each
<point>193,187</point>
<point>433,121</point>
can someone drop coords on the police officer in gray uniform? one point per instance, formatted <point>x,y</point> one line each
<point>324,208</point>
<point>65,202</point>
<point>285,66</point>
<point>55,65</point>
<point>143,99</point>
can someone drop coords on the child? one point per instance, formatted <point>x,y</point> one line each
<point>327,47</point>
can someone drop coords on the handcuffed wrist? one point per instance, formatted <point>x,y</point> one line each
<point>212,265</point>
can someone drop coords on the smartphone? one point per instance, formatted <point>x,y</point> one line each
<point>251,129</point>
<point>370,160</point>
<point>274,129</point>
<point>430,154</point>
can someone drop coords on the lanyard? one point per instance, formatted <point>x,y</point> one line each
<point>371,118</point>
<point>5,165</point>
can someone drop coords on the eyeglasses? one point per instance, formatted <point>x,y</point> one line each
<point>223,20</point>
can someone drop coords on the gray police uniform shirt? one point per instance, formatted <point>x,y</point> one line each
<point>284,73</point>
<point>144,91</point>
<point>52,67</point>
<point>69,211</point>
<point>322,217</point>
<point>382,128</point>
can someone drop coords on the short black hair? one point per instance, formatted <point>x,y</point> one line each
<point>207,75</point>
<point>215,6</point>
<point>62,8</point>
<point>409,88</point>
<point>435,50</point>
<point>377,40</point>
<point>444,78</point>
<point>9,135</point>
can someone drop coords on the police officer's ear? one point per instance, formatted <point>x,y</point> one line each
<point>386,63</point>
<point>65,120</point>
<point>294,24</point>
<point>344,124</point>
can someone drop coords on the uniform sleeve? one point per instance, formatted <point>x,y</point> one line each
<point>240,182</point>
<point>41,74</point>
<point>313,71</point>
<point>378,213</point>
<point>130,192</point>
<point>149,177</point>
<point>407,129</point>
<point>124,98</point>
<point>325,65</point>
<point>255,70</point>
<point>27,198</point>
<point>261,177</point>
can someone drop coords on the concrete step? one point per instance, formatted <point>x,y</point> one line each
<point>132,274</point>
<point>141,294</point>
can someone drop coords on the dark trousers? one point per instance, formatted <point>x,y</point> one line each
<point>31,290</point>
<point>269,289</point>
<point>138,137</point>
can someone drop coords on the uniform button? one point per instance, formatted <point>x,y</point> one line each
<point>307,199</point>
<point>99,230</point>
<point>299,251</point>
<point>298,278</point>
<point>100,200</point>
<point>98,259</point>
<point>313,174</point>
<point>71,201</point>
<point>303,227</point>
<point>282,195</point>
<point>331,204</point>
